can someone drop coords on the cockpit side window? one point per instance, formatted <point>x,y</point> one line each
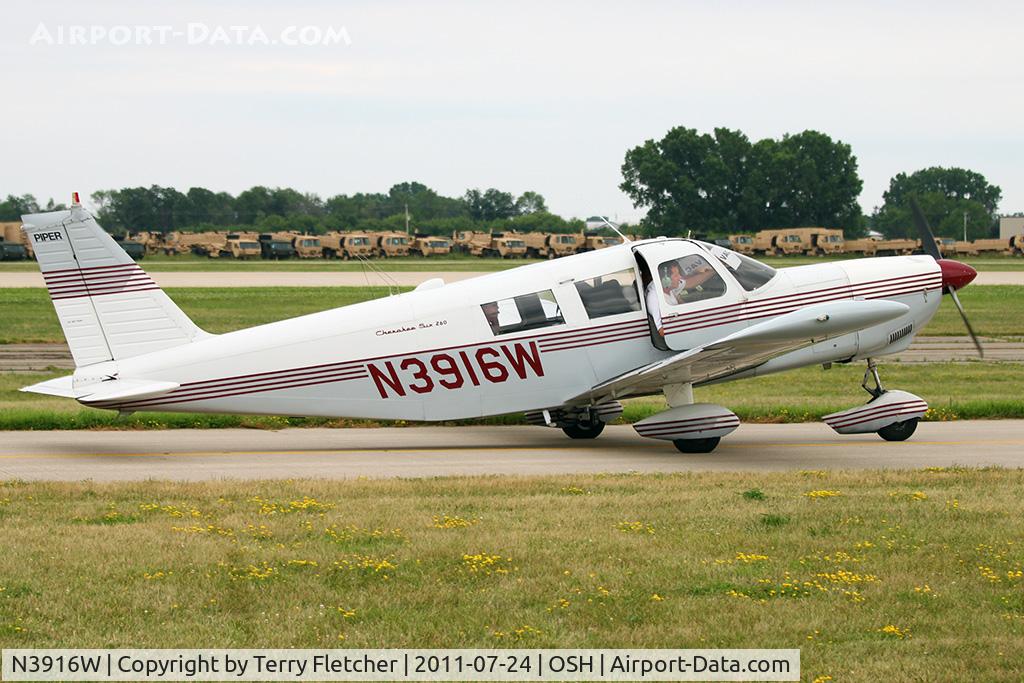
<point>688,279</point>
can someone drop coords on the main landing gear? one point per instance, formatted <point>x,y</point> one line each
<point>891,413</point>
<point>584,430</point>
<point>585,422</point>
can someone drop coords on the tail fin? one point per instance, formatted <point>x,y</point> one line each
<point>108,307</point>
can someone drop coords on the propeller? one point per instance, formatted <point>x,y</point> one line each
<point>950,269</point>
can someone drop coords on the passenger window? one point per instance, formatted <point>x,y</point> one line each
<point>609,294</point>
<point>520,313</point>
<point>688,279</point>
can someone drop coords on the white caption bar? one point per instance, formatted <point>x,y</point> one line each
<point>400,665</point>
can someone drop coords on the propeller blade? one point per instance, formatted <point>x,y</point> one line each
<point>970,330</point>
<point>928,244</point>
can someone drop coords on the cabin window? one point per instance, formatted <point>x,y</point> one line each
<point>609,294</point>
<point>521,313</point>
<point>749,273</point>
<point>688,279</point>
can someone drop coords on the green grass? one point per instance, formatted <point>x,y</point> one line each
<point>901,576</point>
<point>954,391</point>
<point>27,314</point>
<point>454,262</point>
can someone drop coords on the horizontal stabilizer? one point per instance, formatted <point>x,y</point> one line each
<point>124,390</point>
<point>61,386</point>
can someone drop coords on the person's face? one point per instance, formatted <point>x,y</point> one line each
<point>491,311</point>
<point>675,275</point>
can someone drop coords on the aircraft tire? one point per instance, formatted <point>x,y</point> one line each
<point>697,445</point>
<point>899,431</point>
<point>584,431</point>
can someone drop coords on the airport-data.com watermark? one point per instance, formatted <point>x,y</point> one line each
<point>190,34</point>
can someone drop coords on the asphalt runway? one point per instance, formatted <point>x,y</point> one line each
<point>196,455</point>
<point>351,278</point>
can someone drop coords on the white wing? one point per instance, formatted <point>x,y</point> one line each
<point>748,348</point>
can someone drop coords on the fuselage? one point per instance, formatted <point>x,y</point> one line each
<point>488,346</point>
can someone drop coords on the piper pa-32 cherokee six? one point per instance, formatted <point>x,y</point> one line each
<point>562,341</point>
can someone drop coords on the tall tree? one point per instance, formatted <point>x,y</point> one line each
<point>493,204</point>
<point>945,196</point>
<point>689,180</point>
<point>14,207</point>
<point>531,202</point>
<point>721,182</point>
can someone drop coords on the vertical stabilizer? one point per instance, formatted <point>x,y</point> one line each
<point>108,307</point>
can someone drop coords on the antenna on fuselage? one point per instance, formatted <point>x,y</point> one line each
<point>615,228</point>
<point>369,265</point>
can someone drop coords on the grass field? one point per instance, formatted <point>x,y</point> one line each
<point>874,576</point>
<point>28,316</point>
<point>190,262</point>
<point>954,391</point>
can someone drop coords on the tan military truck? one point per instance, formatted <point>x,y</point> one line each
<point>964,248</point>
<point>241,245</point>
<point>810,241</point>
<point>391,244</point>
<point>866,246</point>
<point>591,241</point>
<point>1017,245</point>
<point>550,245</point>
<point>347,245</point>
<point>470,241</point>
<point>15,241</point>
<point>826,241</point>
<point>779,242</point>
<point>201,243</point>
<point>896,247</point>
<point>505,245</point>
<point>744,244</point>
<point>152,241</point>
<point>995,246</point>
<point>430,245</point>
<point>307,246</point>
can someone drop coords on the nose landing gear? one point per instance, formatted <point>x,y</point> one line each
<point>892,414</point>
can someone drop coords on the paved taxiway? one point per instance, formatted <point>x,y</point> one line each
<point>352,278</point>
<point>192,455</point>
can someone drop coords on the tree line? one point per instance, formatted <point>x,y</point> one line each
<point>265,209</point>
<point>723,182</point>
<point>704,184</point>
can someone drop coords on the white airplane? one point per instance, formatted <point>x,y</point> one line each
<point>563,340</point>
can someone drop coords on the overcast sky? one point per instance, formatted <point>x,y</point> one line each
<point>542,96</point>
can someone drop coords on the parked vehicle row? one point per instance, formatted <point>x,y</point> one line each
<point>538,245</point>
<point>826,241</point>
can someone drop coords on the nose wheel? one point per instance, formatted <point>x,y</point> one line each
<point>891,413</point>
<point>696,445</point>
<point>584,430</point>
<point>899,431</point>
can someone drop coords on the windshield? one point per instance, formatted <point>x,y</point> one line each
<point>359,241</point>
<point>749,273</point>
<point>249,245</point>
<point>438,244</point>
<point>515,243</point>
